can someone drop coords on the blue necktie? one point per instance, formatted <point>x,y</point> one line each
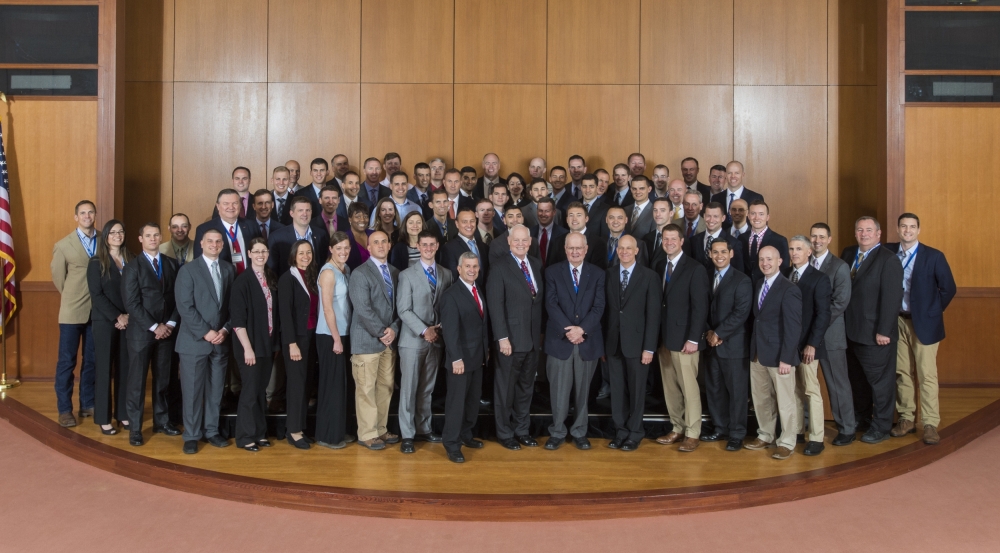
<point>388,280</point>
<point>473,248</point>
<point>431,278</point>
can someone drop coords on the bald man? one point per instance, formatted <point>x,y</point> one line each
<point>734,188</point>
<point>491,177</point>
<point>294,172</point>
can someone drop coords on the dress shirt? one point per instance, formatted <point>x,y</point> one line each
<point>316,189</point>
<point>908,262</point>
<point>760,240</point>
<point>235,225</point>
<point>797,270</point>
<point>347,201</point>
<point>641,207</point>
<point>818,261</point>
<point>159,261</point>
<point>89,242</point>
<point>406,207</point>
<point>579,271</point>
<point>694,225</point>
<point>733,195</point>
<point>307,236</point>
<point>738,231</point>
<point>631,275</point>
<point>556,197</point>
<point>768,283</point>
<point>478,292</point>
<point>284,201</point>
<point>719,274</point>
<point>620,195</point>
<point>489,184</point>
<point>385,181</point>
<point>462,192</point>
<point>711,236</point>
<point>367,191</point>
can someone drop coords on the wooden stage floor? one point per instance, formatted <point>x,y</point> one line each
<point>594,477</point>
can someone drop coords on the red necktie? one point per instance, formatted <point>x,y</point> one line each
<point>690,229</point>
<point>451,210</point>
<point>236,248</point>
<point>475,296</point>
<point>263,231</point>
<point>543,245</point>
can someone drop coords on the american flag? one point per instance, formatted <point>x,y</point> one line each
<point>6,240</point>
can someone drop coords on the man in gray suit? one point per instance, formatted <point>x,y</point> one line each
<point>202,295</point>
<point>418,303</point>
<point>374,327</point>
<point>640,215</point>
<point>838,385</point>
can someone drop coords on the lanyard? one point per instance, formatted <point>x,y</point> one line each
<point>231,231</point>
<point>862,256</point>
<point>909,259</point>
<point>91,249</point>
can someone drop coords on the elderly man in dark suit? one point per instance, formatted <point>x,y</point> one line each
<point>202,296</point>
<point>774,353</point>
<point>576,218</point>
<point>500,247</point>
<point>237,231</point>
<point>759,236</point>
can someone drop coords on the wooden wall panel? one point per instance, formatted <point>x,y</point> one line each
<point>508,120</point>
<point>148,155</point>
<point>780,136</point>
<point>51,149</point>
<point>687,42</point>
<point>968,354</point>
<point>680,121</point>
<point>414,120</point>
<point>217,127</point>
<point>599,122</point>
<point>34,343</point>
<point>852,42</point>
<point>149,40</point>
<point>852,147</point>
<point>780,42</point>
<point>499,41</point>
<point>407,42</point>
<point>221,41</point>
<point>310,120</point>
<point>593,41</point>
<point>953,173</point>
<point>331,53</point>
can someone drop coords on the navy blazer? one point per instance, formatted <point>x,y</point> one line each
<point>557,230</point>
<point>566,307</point>
<point>695,247</point>
<point>932,288</point>
<point>751,259</point>
<point>816,305</point>
<point>684,305</point>
<point>777,324</point>
<point>747,195</point>
<point>280,244</point>
<point>249,231</point>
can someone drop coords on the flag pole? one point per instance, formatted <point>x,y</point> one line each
<point>4,383</point>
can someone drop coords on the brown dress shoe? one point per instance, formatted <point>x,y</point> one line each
<point>669,439</point>
<point>902,428</point>
<point>389,438</point>
<point>689,445</point>
<point>67,420</point>
<point>782,454</point>
<point>931,435</point>
<point>757,443</point>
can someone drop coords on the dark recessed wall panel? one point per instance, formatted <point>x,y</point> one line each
<point>48,34</point>
<point>952,40</point>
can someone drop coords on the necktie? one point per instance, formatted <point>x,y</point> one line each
<point>373,194</point>
<point>690,232</point>
<point>423,198</point>
<point>670,273</point>
<point>795,276</point>
<point>753,245</point>
<point>281,207</point>
<point>487,238</point>
<point>708,246</point>
<point>479,305</point>
<point>388,281</point>
<point>236,248</point>
<point>501,217</point>
<point>678,213</point>
<point>451,210</point>
<point>263,231</point>
<point>635,213</point>
<point>586,208</point>
<point>331,226</point>
<point>472,247</point>
<point>543,245</point>
<point>858,260</point>
<point>816,263</point>
<point>217,279</point>
<point>612,248</point>
<point>156,267</point>
<point>732,196</point>
<point>621,295</point>
<point>527,276</point>
<point>620,197</point>
<point>576,281</point>
<point>431,278</point>
<point>656,243</point>
<point>718,278</point>
<point>763,294</point>
<point>243,205</point>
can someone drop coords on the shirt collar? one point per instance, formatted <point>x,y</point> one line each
<point>624,268</point>
<point>722,272</point>
<point>308,235</point>
<point>911,250</point>
<point>738,192</point>
<point>759,235</point>
<point>426,266</point>
<point>579,268</point>
<point>151,257</point>
<point>821,258</point>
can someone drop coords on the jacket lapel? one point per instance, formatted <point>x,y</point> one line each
<point>205,275</point>
<point>298,277</point>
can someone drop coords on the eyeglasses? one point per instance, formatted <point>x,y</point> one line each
<point>116,232</point>
<point>259,252</point>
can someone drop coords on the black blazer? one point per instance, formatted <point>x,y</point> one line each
<point>635,323</point>
<point>684,314</point>
<point>816,304</point>
<point>148,300</point>
<point>777,324</point>
<point>597,251</point>
<point>557,231</point>
<point>434,227</point>
<point>280,243</point>
<point>695,247</point>
<point>729,312</point>
<point>751,259</point>
<point>480,190</point>
<point>747,195</point>
<point>597,218</point>
<point>456,247</point>
<point>106,302</point>
<point>309,193</point>
<point>706,194</point>
<point>293,309</point>
<point>566,307</point>
<point>248,309</point>
<point>285,216</point>
<point>249,231</point>
<point>876,296</point>
<point>464,331</point>
<point>612,193</point>
<point>343,225</point>
<point>932,288</point>
<point>516,314</point>
<point>383,192</point>
<point>399,255</point>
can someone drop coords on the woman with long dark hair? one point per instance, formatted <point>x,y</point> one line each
<point>332,344</point>
<point>517,190</point>
<point>405,252</point>
<point>357,216</point>
<point>386,219</point>
<point>298,306</point>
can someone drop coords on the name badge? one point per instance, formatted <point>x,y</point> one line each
<point>237,257</point>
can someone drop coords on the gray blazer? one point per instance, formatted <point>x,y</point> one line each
<point>840,279</point>
<point>373,310</point>
<point>643,225</point>
<point>418,305</point>
<point>200,309</point>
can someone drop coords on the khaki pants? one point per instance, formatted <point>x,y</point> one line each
<point>680,389</point>
<point>910,354</point>
<point>807,389</point>
<point>774,397</point>
<point>373,376</point>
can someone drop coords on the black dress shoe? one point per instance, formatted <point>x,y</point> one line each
<point>300,443</point>
<point>527,441</point>
<point>430,438</point>
<point>800,438</point>
<point>135,438</point>
<point>616,443</point>
<point>456,457</point>
<point>510,443</point>
<point>581,443</point>
<point>252,448</point>
<point>734,444</point>
<point>485,404</point>
<point>168,429</point>
<point>714,436</point>
<point>554,443</point>
<point>407,446</point>
<point>217,441</point>
<point>844,439</point>
<point>813,448</point>
<point>629,445</point>
<point>874,436</point>
<point>473,443</point>
<point>191,447</point>
<point>264,443</point>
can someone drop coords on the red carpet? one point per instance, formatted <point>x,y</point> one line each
<point>50,503</point>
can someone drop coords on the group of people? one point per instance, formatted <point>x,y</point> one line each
<point>498,281</point>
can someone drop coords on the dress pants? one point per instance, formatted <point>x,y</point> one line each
<point>331,397</point>
<point>628,395</point>
<point>295,421</point>
<point>111,371</point>
<point>513,385</point>
<point>774,398</point>
<point>276,381</point>
<point>202,382</point>
<point>910,355</point>
<point>461,407</point>
<point>139,356</point>
<point>875,395</point>
<point>569,378</point>
<point>807,391</point>
<point>418,372</point>
<point>70,336</point>
<point>727,382</point>
<point>680,389</point>
<point>373,378</point>
<point>251,411</point>
<point>838,387</point>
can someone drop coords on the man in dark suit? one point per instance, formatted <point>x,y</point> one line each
<point>148,293</point>
<point>466,241</point>
<point>202,297</point>
<point>632,322</point>
<point>735,189</point>
<point>872,327</point>
<point>491,177</point>
<point>617,221</point>
<point>350,192</point>
<point>372,190</point>
<point>499,199</point>
<point>439,223</point>
<point>774,353</point>
<point>456,200</point>
<point>327,217</point>
<point>237,231</point>
<point>620,194</point>
<point>281,194</point>
<point>500,246</point>
<point>653,240</point>
<point>683,317</point>
<point>689,170</point>
<point>280,242</point>
<point>736,223</point>
<point>759,237</point>
<point>318,171</point>
<point>420,193</point>
<point>574,342</point>
<point>263,207</point>
<point>593,205</point>
<point>560,192</point>
<point>576,218</point>
<point>241,185</point>
<point>728,378</point>
<point>466,347</point>
<point>546,231</point>
<point>816,291</point>
<point>928,288</point>
<point>640,219</point>
<point>516,292</point>
<point>700,246</point>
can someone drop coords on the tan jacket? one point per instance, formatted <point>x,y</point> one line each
<point>69,274</point>
<point>167,249</point>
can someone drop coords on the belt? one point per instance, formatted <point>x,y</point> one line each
<point>906,315</point>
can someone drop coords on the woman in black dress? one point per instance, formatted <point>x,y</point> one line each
<point>298,306</point>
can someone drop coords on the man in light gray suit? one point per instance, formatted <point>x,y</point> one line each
<point>838,385</point>
<point>640,215</point>
<point>202,295</point>
<point>420,289</point>
<point>374,327</point>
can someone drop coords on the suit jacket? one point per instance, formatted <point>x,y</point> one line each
<point>596,218</point>
<point>343,225</point>
<point>280,244</point>
<point>499,227</point>
<point>840,281</point>
<point>414,196</point>
<point>499,247</point>
<point>876,295</point>
<point>249,231</point>
<point>310,193</point>
<point>148,300</point>
<point>706,194</point>
<point>612,254</point>
<point>374,309</point>
<point>700,227</point>
<point>597,251</point>
<point>610,197</point>
<point>751,259</point>
<point>557,231</point>
<point>563,202</point>
<point>199,307</point>
<point>363,197</point>
<point>747,194</point>
<point>465,332</point>
<point>480,190</point>
<point>282,216</point>
<point>932,288</point>
<point>568,307</point>
<point>433,226</point>
<point>777,324</point>
<point>417,304</point>
<point>105,292</point>
<point>530,213</point>
<point>167,249</point>
<point>293,307</point>
<point>729,312</point>
<point>643,225</point>
<point>634,323</point>
<point>69,274</point>
<point>248,310</point>
<point>685,298</point>
<point>516,314</point>
<point>456,247</point>
<point>695,247</point>
<point>816,293</point>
